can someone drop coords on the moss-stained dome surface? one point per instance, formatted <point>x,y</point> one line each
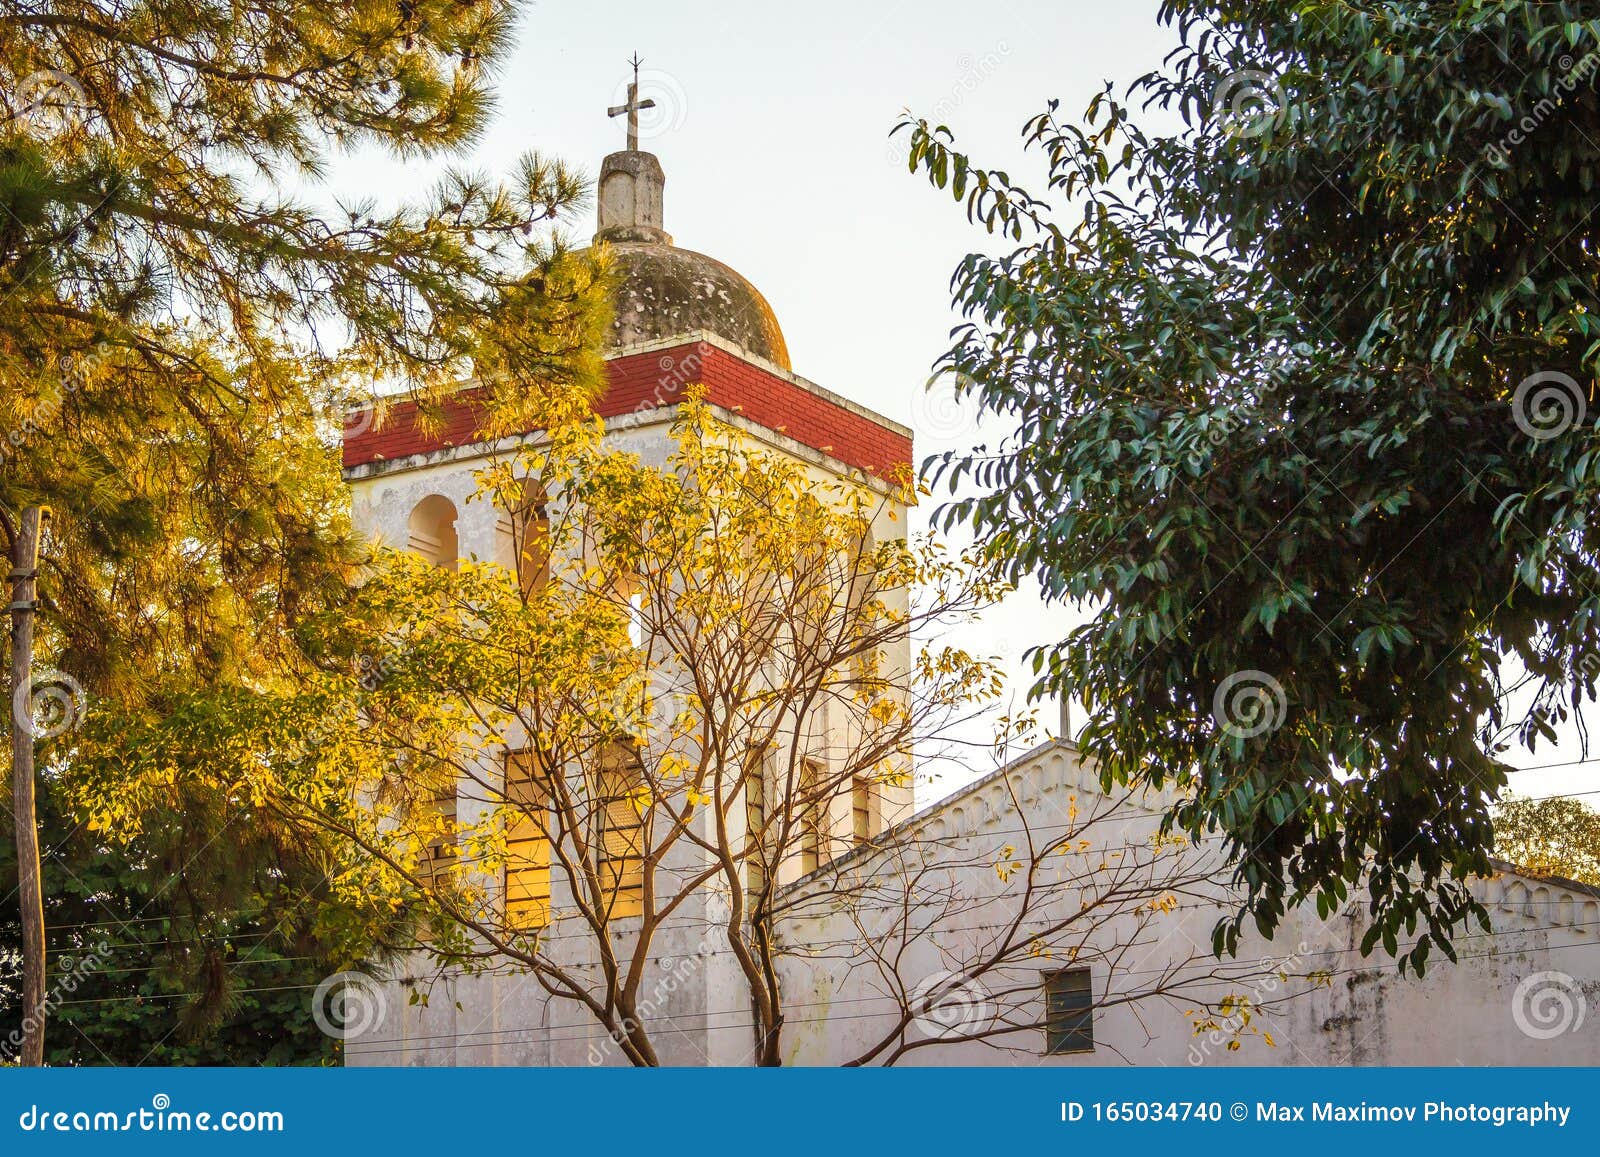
<point>663,291</point>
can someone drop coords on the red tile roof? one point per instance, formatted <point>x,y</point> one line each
<point>657,378</point>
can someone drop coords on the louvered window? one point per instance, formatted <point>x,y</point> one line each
<point>621,830</point>
<point>861,808</point>
<point>1069,1012</point>
<point>527,871</point>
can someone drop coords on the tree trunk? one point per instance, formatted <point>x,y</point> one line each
<point>767,1051</point>
<point>30,892</point>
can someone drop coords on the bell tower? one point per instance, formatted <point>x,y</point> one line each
<point>682,320</point>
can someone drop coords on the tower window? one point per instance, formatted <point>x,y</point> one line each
<point>432,531</point>
<point>861,808</point>
<point>527,872</point>
<point>755,812</point>
<point>813,814</point>
<point>525,532</point>
<point>620,844</point>
<point>440,855</point>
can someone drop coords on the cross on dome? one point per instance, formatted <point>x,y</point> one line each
<point>632,107</point>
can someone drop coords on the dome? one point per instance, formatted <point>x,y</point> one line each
<point>663,291</point>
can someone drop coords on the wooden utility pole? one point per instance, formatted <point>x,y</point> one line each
<point>30,889</point>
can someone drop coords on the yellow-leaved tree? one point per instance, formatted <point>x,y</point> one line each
<point>681,724</point>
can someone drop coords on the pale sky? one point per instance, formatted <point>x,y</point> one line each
<point>772,126</point>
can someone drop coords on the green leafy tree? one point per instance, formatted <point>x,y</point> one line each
<point>1557,836</point>
<point>178,948</point>
<point>1302,395</point>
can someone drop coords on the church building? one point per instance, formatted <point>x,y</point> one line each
<point>932,936</point>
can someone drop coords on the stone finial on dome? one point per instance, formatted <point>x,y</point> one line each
<point>631,185</point>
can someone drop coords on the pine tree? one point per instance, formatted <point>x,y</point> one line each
<point>183,326</point>
<point>175,326</point>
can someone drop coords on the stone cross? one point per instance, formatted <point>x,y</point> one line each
<point>632,107</point>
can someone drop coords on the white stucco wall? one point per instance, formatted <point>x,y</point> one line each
<point>1357,1011</point>
<point>1485,1010</point>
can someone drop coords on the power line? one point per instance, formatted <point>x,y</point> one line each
<point>226,964</point>
<point>1155,886</point>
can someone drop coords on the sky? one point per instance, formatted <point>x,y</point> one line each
<point>772,125</point>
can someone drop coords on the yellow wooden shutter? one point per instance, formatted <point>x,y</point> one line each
<point>755,810</point>
<point>813,818</point>
<point>621,853</point>
<point>527,872</point>
<point>861,808</point>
